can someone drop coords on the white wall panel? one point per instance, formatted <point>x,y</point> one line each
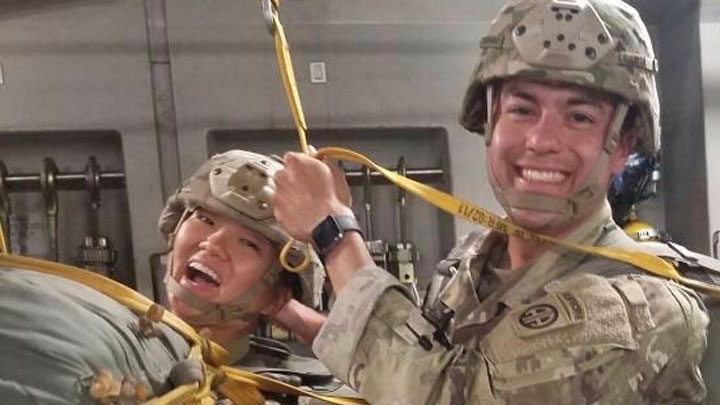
<point>74,65</point>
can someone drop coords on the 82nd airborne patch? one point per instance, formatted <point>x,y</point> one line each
<point>538,316</point>
<point>551,312</point>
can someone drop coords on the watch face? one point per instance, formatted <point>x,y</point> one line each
<point>326,234</point>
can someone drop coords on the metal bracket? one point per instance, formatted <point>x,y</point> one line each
<point>47,184</point>
<point>367,202</point>
<point>92,184</point>
<point>49,192</point>
<point>402,200</point>
<point>92,181</point>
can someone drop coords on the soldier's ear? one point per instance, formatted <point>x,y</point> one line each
<point>628,140</point>
<point>279,299</point>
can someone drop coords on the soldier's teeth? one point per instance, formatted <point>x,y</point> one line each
<point>206,270</point>
<point>543,176</point>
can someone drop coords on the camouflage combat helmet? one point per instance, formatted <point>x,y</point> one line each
<point>236,184</point>
<point>601,44</point>
<point>598,44</point>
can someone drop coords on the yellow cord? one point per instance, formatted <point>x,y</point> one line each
<point>307,257</point>
<point>3,241</point>
<point>282,50</point>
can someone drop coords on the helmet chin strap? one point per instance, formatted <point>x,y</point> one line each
<point>238,308</point>
<point>592,192</point>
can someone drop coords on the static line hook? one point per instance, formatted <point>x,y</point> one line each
<point>268,10</point>
<point>402,200</point>
<point>48,178</point>
<point>92,181</point>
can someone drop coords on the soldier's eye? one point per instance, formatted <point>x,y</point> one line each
<point>251,244</point>
<point>520,111</point>
<point>204,218</point>
<point>580,118</point>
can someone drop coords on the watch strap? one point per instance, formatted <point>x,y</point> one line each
<point>328,233</point>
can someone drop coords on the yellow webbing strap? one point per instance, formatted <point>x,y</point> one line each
<point>288,77</point>
<point>236,384</point>
<point>476,214</point>
<point>471,212</point>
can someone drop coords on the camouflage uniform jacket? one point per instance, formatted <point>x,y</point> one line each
<point>567,329</point>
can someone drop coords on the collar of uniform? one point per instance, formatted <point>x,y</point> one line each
<point>557,261</point>
<point>237,349</point>
<point>461,292</point>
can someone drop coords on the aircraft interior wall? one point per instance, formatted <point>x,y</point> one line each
<point>164,84</point>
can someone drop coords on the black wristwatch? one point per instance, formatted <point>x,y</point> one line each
<point>328,233</point>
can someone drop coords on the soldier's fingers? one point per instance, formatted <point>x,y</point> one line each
<point>292,160</point>
<point>281,179</point>
<point>342,189</point>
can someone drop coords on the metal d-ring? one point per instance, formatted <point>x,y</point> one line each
<point>48,187</point>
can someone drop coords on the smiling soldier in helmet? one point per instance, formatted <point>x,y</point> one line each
<point>224,273</point>
<point>564,90</point>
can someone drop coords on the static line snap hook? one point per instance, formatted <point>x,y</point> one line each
<point>92,181</point>
<point>402,200</point>
<point>268,10</point>
<point>48,186</point>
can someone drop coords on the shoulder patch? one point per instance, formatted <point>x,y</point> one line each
<point>538,316</point>
<point>552,312</point>
<point>581,311</point>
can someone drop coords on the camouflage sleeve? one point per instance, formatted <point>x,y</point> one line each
<point>341,332</point>
<point>590,340</point>
<point>368,343</point>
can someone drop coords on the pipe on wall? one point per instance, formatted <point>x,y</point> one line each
<point>163,97</point>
